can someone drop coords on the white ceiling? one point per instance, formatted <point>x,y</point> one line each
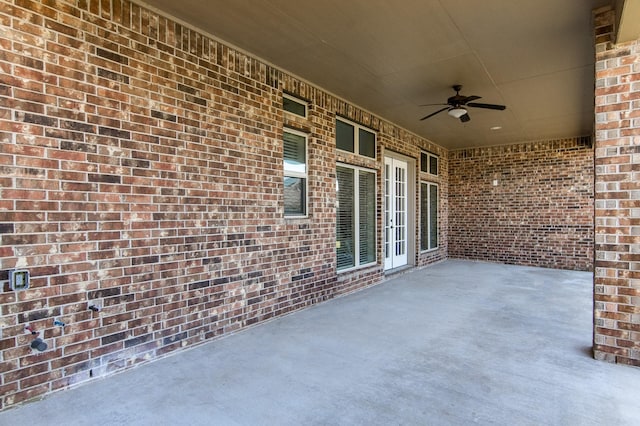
<point>389,57</point>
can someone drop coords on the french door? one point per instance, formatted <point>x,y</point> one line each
<point>395,213</point>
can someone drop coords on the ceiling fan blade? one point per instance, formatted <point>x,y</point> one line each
<point>472,98</point>
<point>465,118</point>
<point>487,106</point>
<point>432,104</point>
<point>434,113</point>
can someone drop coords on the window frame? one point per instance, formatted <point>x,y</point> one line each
<point>429,217</point>
<point>298,101</point>
<point>430,157</point>
<point>356,138</point>
<point>294,174</point>
<point>356,225</point>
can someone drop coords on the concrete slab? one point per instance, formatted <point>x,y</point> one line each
<point>455,343</point>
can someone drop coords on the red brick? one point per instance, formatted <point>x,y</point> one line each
<point>531,217</point>
<point>615,270</point>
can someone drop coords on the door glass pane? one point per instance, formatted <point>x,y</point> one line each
<point>367,143</point>
<point>345,216</point>
<point>344,136</point>
<point>367,216</point>
<point>387,211</point>
<point>400,203</point>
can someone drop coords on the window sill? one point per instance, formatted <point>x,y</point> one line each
<point>429,250</point>
<point>296,217</point>
<point>356,268</point>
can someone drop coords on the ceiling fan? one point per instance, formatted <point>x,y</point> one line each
<point>457,105</point>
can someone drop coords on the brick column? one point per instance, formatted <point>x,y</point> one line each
<point>617,195</point>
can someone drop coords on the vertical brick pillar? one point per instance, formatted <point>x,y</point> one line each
<point>617,194</point>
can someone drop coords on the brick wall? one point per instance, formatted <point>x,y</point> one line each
<point>617,214</point>
<point>141,172</point>
<point>526,204</point>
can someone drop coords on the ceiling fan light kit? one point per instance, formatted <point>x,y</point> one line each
<point>457,112</point>
<point>456,106</point>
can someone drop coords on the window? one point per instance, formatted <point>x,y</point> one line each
<point>294,105</point>
<point>429,163</point>
<point>356,217</point>
<point>295,173</point>
<point>428,216</point>
<point>355,138</point>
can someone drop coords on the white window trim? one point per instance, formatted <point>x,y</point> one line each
<point>429,184</point>
<point>356,138</point>
<point>356,207</point>
<point>299,101</point>
<point>429,157</point>
<point>294,174</point>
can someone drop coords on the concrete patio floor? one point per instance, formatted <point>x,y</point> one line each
<point>456,343</point>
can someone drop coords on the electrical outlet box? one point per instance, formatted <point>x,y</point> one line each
<point>18,279</point>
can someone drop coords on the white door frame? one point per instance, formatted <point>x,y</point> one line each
<point>399,211</point>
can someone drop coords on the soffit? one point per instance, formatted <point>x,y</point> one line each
<point>628,12</point>
<point>534,56</point>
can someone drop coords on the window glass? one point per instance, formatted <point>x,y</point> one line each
<point>356,217</point>
<point>424,216</point>
<point>294,153</point>
<point>428,216</point>
<point>433,216</point>
<point>294,196</point>
<point>433,165</point>
<point>345,238</point>
<point>294,106</point>
<point>367,216</point>
<point>367,143</point>
<point>295,173</point>
<point>424,162</point>
<point>345,136</point>
<point>354,138</point>
<point>429,163</point>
